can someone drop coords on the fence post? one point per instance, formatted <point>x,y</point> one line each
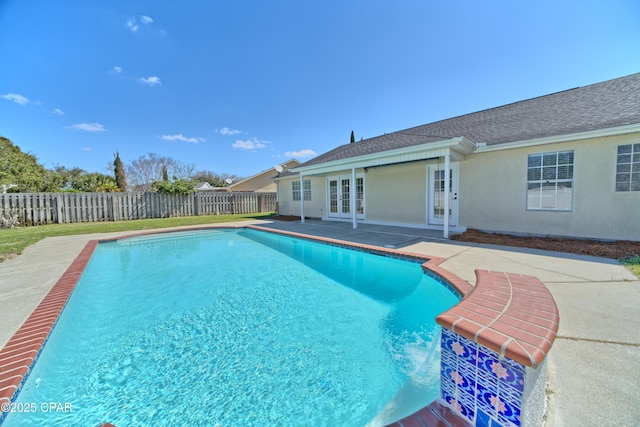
<point>58,202</point>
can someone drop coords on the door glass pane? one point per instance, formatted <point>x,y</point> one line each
<point>439,193</point>
<point>346,196</point>
<point>359,195</point>
<point>333,196</point>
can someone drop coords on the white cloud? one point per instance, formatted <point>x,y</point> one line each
<point>132,25</point>
<point>17,98</point>
<point>88,127</point>
<point>250,144</point>
<point>57,111</point>
<point>227,131</point>
<point>136,23</point>
<point>181,137</point>
<point>151,81</point>
<point>87,149</point>
<point>116,69</point>
<point>301,154</point>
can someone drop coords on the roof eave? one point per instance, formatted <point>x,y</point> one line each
<point>597,133</point>
<point>460,145</point>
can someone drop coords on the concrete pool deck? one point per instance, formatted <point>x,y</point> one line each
<point>592,367</point>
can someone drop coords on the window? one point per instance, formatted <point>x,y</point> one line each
<point>628,168</point>
<point>550,181</point>
<point>296,190</point>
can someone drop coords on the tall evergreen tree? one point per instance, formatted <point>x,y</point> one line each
<point>121,179</point>
<point>353,137</point>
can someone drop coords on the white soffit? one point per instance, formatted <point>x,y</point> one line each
<point>457,147</point>
<point>598,133</point>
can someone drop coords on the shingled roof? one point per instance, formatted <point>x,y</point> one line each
<point>598,106</point>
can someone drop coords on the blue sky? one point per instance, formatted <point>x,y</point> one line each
<point>239,86</point>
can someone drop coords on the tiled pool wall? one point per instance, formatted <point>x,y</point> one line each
<point>489,390</point>
<point>493,348</point>
<point>493,351</point>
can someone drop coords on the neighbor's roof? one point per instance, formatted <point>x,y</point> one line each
<point>598,106</point>
<point>289,164</point>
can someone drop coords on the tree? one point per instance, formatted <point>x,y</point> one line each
<point>64,179</point>
<point>165,173</point>
<point>94,182</point>
<point>146,169</point>
<point>213,178</point>
<point>177,186</point>
<point>353,138</point>
<point>20,169</point>
<point>118,171</point>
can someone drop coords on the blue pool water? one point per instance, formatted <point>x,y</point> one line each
<point>232,328</point>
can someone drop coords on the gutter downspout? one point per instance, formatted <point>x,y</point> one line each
<point>447,191</point>
<point>301,200</point>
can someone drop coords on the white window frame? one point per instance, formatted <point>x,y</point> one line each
<point>295,188</point>
<point>550,181</point>
<point>628,168</point>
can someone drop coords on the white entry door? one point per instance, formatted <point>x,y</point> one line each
<point>438,191</point>
<point>339,190</point>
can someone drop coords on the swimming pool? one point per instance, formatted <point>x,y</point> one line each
<point>240,328</point>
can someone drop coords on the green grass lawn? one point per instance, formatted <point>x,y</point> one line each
<point>14,240</point>
<point>633,263</point>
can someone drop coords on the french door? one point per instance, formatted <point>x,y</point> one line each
<point>438,190</point>
<point>339,190</point>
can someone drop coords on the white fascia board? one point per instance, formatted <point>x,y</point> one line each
<point>411,153</point>
<point>598,133</point>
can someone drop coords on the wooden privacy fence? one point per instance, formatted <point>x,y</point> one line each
<point>59,208</point>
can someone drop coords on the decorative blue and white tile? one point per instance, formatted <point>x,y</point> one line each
<point>484,420</point>
<point>510,416</point>
<point>448,356</point>
<point>464,349</point>
<point>461,408</point>
<point>484,392</point>
<point>446,381</point>
<point>498,406</point>
<point>504,371</point>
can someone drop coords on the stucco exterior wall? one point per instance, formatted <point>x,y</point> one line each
<point>397,193</point>
<point>314,208</point>
<point>493,188</point>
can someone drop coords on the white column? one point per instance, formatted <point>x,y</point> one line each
<point>352,195</point>
<point>301,199</point>
<point>447,192</point>
<point>278,197</point>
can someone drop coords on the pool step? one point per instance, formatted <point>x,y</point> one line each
<point>434,415</point>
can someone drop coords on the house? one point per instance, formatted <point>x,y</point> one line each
<point>564,164</point>
<point>263,182</point>
<point>203,186</point>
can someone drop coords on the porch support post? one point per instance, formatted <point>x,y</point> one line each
<point>352,196</point>
<point>301,199</point>
<point>447,191</point>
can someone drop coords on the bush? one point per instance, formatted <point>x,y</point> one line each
<point>9,220</point>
